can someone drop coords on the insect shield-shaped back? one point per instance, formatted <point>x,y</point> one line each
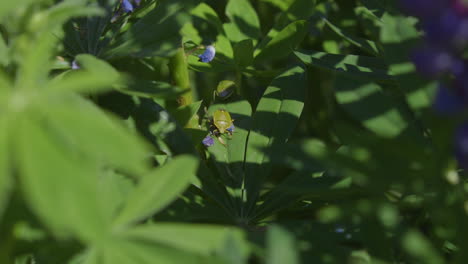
<point>222,120</point>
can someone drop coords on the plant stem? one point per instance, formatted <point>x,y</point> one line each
<point>180,77</point>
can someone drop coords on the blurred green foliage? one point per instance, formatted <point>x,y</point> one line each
<point>336,156</point>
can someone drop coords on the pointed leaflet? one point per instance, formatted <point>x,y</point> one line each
<point>97,136</point>
<point>244,21</point>
<point>94,75</point>
<point>229,158</point>
<point>367,102</point>
<point>283,43</point>
<point>195,238</point>
<point>58,185</point>
<point>157,189</point>
<point>357,65</point>
<point>281,246</point>
<point>274,120</point>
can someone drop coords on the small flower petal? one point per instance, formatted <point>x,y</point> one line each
<point>208,141</point>
<point>208,55</point>
<point>74,65</point>
<point>231,128</point>
<point>127,6</point>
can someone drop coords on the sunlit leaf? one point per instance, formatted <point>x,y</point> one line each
<point>157,189</point>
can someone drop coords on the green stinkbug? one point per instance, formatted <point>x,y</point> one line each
<point>222,123</point>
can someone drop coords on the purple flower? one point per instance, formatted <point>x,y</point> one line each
<point>127,6</point>
<point>208,55</point>
<point>74,65</point>
<point>431,62</point>
<point>208,141</point>
<point>447,102</point>
<point>460,6</point>
<point>423,8</point>
<point>449,30</point>
<point>461,145</point>
<point>231,128</point>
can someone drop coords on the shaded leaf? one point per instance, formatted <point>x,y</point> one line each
<point>281,246</point>
<point>244,21</point>
<point>283,43</point>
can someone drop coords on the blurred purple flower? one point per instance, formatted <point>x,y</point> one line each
<point>208,55</point>
<point>449,30</point>
<point>208,141</point>
<point>127,6</point>
<point>431,62</point>
<point>447,102</point>
<point>460,6</point>
<point>423,8</point>
<point>461,145</point>
<point>74,65</point>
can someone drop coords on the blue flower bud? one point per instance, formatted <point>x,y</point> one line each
<point>127,6</point>
<point>208,141</point>
<point>208,55</point>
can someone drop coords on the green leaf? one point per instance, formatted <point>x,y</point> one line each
<point>157,189</point>
<point>61,12</point>
<point>366,102</point>
<point>94,76</point>
<point>281,4</point>
<point>420,248</point>
<point>199,239</point>
<point>362,66</point>
<point>298,10</point>
<point>151,89</point>
<point>243,53</point>
<point>244,22</point>
<point>281,246</point>
<point>138,251</point>
<point>229,159</point>
<point>155,34</point>
<point>58,185</point>
<point>8,7</point>
<point>282,44</point>
<point>90,132</point>
<point>5,176</point>
<point>4,52</point>
<point>364,44</point>
<point>274,120</point>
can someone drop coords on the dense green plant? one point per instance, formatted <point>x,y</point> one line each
<point>109,152</point>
